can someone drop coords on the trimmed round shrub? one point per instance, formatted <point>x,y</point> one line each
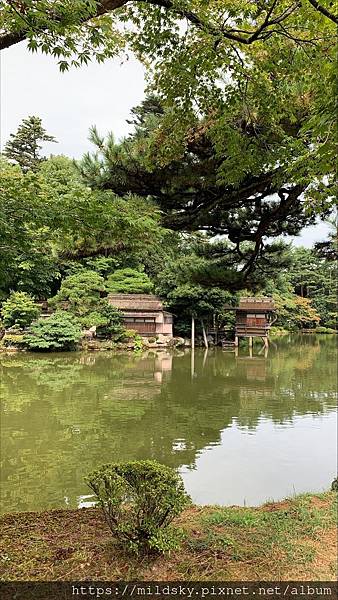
<point>60,331</point>
<point>20,309</point>
<point>139,500</point>
<point>129,281</point>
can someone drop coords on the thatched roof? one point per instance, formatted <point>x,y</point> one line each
<point>256,304</point>
<point>136,302</point>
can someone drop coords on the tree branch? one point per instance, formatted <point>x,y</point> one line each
<point>8,39</point>
<point>11,38</point>
<point>324,11</point>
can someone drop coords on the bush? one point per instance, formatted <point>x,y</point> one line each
<point>325,330</point>
<point>80,293</point>
<point>13,341</point>
<point>20,309</point>
<point>106,318</point>
<point>129,335</point>
<point>129,281</point>
<point>60,331</point>
<point>139,500</point>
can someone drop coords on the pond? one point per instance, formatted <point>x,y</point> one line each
<point>240,429</point>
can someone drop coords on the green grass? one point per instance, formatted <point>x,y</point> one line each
<point>294,539</point>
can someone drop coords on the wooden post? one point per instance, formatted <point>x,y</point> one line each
<point>204,358</point>
<point>204,335</point>
<point>236,341</point>
<point>192,332</point>
<point>192,363</point>
<point>250,342</point>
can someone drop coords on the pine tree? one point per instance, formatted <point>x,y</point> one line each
<point>23,146</point>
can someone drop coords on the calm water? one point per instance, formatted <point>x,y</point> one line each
<point>239,429</point>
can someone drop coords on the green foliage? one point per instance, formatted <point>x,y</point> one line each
<point>27,260</point>
<point>65,30</point>
<point>306,291</point>
<point>103,265</point>
<point>140,499</point>
<point>58,332</point>
<point>314,276</point>
<point>325,330</point>
<point>190,191</point>
<point>138,343</point>
<point>129,281</point>
<point>106,318</point>
<point>20,309</point>
<point>261,75</point>
<point>126,336</point>
<point>50,222</point>
<point>80,293</point>
<point>295,312</point>
<point>13,341</point>
<point>23,147</point>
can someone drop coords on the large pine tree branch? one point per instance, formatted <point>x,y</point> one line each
<point>280,212</point>
<point>10,38</point>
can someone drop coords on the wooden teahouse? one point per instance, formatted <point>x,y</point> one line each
<point>144,313</point>
<point>254,317</point>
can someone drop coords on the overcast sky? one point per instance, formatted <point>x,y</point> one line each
<point>69,103</point>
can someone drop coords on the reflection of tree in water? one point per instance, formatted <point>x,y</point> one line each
<point>63,415</point>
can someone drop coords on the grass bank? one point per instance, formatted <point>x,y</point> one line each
<point>290,540</point>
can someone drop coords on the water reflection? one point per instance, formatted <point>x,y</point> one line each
<point>233,425</point>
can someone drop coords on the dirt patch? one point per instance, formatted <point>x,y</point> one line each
<point>272,506</point>
<point>317,502</point>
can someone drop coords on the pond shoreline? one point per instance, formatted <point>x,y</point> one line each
<point>294,539</point>
<point>175,343</point>
<point>98,345</point>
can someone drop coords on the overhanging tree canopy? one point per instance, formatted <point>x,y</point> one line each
<point>261,73</point>
<point>191,191</point>
<point>42,20</point>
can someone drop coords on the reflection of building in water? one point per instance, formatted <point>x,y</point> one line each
<point>160,363</point>
<point>163,366</point>
<point>255,368</point>
<point>255,381</point>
